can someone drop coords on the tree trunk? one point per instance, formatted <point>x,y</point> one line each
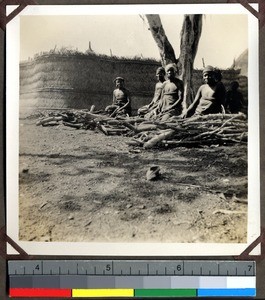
<point>166,50</point>
<point>190,36</point>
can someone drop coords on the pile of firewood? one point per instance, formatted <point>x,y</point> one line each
<point>214,129</point>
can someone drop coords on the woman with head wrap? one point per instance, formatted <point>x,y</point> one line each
<point>172,95</point>
<point>210,96</point>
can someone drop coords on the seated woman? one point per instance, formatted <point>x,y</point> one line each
<point>172,95</point>
<point>147,110</point>
<point>210,96</point>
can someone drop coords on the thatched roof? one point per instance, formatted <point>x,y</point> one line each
<point>242,63</point>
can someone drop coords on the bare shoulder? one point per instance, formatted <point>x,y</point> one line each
<point>203,87</point>
<point>165,83</point>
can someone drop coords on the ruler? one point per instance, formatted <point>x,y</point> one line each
<point>131,278</point>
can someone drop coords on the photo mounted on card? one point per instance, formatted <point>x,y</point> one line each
<point>133,130</point>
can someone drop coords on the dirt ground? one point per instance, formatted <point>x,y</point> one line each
<point>81,185</point>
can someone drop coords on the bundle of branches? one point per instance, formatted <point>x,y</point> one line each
<point>76,119</point>
<point>215,129</point>
<point>84,119</point>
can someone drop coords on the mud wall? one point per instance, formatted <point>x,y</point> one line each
<point>78,81</point>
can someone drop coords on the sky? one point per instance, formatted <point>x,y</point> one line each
<point>224,37</point>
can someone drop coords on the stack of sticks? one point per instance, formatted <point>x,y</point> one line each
<point>213,129</point>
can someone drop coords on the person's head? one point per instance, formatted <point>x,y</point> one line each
<point>208,75</point>
<point>160,73</point>
<point>234,85</point>
<point>218,75</point>
<point>119,82</point>
<point>171,70</point>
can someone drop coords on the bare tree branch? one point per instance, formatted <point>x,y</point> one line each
<point>165,48</point>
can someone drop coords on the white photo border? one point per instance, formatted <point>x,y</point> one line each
<point>128,249</point>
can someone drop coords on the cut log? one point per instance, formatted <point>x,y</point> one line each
<point>51,123</point>
<point>146,127</point>
<point>130,126</point>
<point>103,129</point>
<point>49,119</point>
<point>73,125</point>
<point>134,143</point>
<point>158,138</point>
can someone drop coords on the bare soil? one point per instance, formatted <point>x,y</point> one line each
<point>81,185</point>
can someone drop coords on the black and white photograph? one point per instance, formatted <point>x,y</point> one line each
<point>133,125</point>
